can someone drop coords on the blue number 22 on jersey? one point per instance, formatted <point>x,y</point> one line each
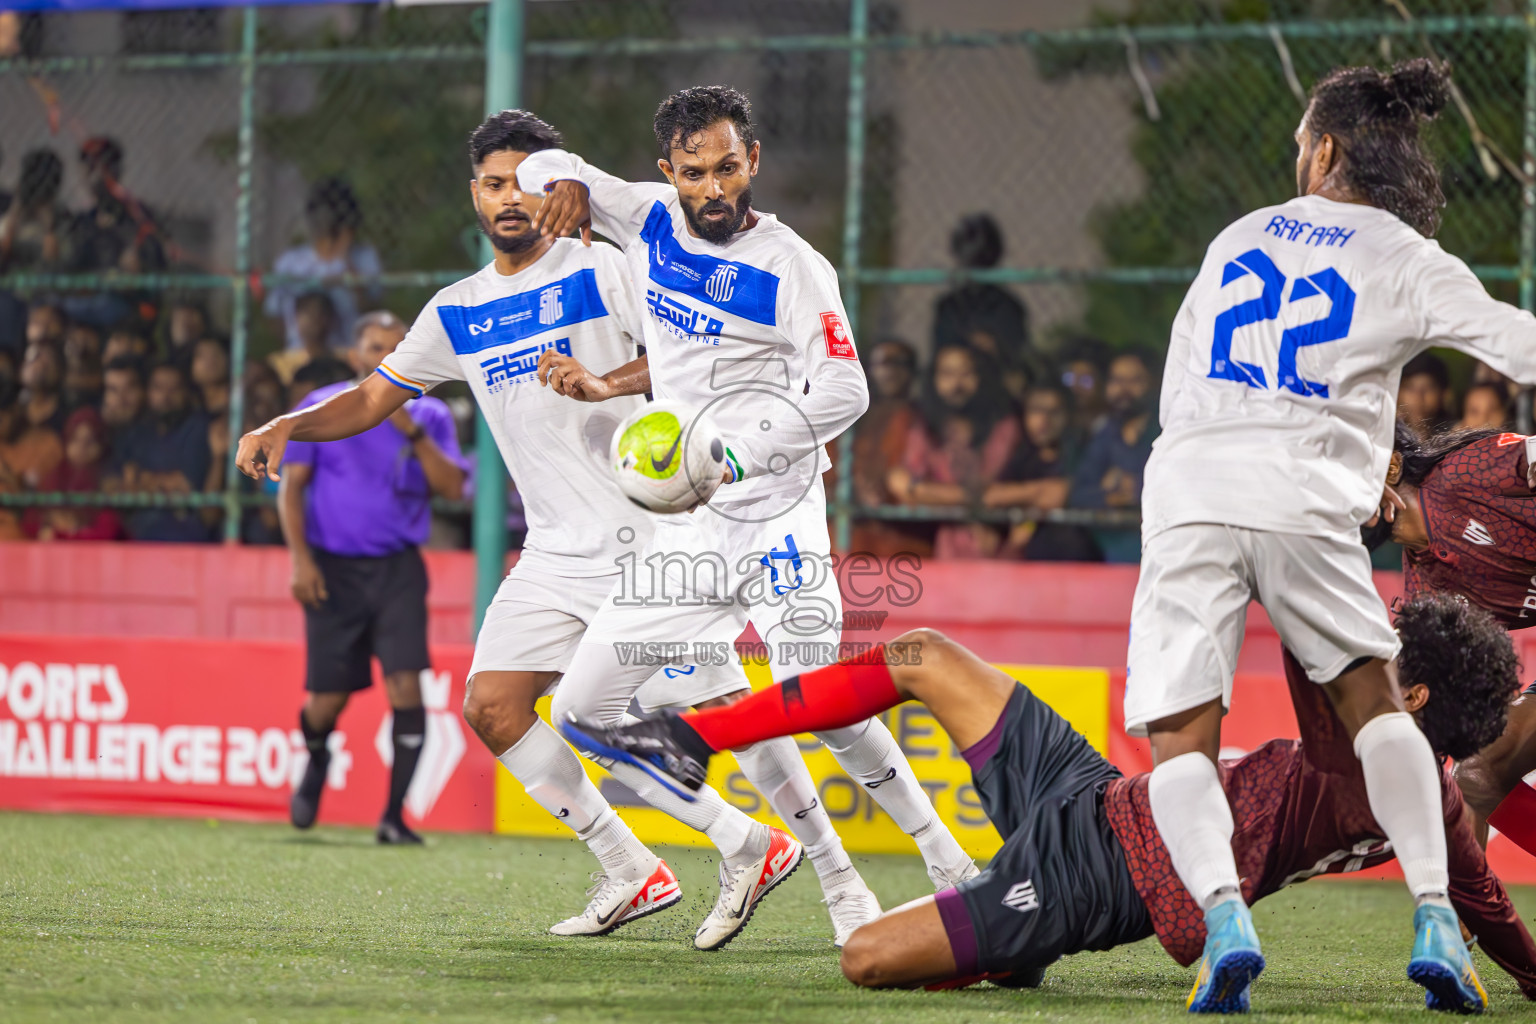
<point>1266,307</point>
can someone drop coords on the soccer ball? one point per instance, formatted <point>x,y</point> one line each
<point>667,457</point>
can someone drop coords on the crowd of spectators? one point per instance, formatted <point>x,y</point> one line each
<point>108,390</point>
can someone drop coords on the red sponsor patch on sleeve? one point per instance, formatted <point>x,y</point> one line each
<point>839,341</point>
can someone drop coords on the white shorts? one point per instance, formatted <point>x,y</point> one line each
<point>537,619</point>
<point>706,574</point>
<point>1191,604</point>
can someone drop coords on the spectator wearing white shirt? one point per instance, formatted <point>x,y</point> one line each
<point>333,217</point>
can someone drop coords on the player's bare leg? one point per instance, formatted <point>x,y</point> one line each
<point>967,696</point>
<point>906,947</point>
<point>1494,776</point>
<point>778,770</point>
<point>632,882</point>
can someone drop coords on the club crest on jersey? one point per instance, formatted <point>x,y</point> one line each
<point>1022,897</point>
<point>839,343</point>
<point>1477,533</point>
<point>721,284</point>
<point>505,368</point>
<point>550,310</point>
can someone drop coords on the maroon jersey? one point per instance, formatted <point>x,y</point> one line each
<point>1480,515</point>
<point>1300,809</point>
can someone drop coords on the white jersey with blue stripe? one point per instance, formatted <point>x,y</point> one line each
<point>752,330</point>
<point>1280,389</point>
<point>489,330</point>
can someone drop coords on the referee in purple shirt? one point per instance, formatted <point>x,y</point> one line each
<point>354,514</point>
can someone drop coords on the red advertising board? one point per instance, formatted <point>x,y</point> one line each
<point>209,727</point>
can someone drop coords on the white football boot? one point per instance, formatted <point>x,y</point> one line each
<point>618,901</point>
<point>741,889</point>
<point>851,905</point>
<point>943,879</point>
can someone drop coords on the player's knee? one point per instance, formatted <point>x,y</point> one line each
<point>862,960</point>
<point>497,722</point>
<point>915,651</point>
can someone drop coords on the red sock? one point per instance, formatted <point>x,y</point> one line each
<point>826,698</point>
<point>1516,818</point>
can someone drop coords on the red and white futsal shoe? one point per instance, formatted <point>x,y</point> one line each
<point>618,901</point>
<point>742,888</point>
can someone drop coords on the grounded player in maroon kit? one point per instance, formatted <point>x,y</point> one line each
<point>1466,516</point>
<point>1083,866</point>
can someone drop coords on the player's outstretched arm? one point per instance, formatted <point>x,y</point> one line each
<point>578,195</point>
<point>566,376</point>
<point>344,414</point>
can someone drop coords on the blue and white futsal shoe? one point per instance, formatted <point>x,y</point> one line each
<point>1442,964</point>
<point>1230,963</point>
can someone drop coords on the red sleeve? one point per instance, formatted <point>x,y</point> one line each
<point>1480,899</point>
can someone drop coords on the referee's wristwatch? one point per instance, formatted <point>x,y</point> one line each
<point>417,434</point>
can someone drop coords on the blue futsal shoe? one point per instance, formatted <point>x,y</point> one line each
<point>1442,964</point>
<point>1230,963</point>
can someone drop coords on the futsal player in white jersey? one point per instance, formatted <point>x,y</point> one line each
<point>1277,410</point>
<point>489,329</point>
<point>746,321</point>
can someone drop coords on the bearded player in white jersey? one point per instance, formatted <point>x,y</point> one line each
<point>1277,409</point>
<point>745,321</point>
<point>546,295</point>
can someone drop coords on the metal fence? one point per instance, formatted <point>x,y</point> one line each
<point>1110,153</point>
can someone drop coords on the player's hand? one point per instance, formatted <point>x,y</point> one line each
<point>261,451</point>
<point>308,584</point>
<point>566,207</point>
<point>568,377</point>
<point>725,478</point>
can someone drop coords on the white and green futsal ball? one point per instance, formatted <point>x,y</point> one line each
<point>667,457</point>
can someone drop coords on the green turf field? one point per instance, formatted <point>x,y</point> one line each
<point>127,919</point>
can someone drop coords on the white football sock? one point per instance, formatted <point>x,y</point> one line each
<point>1195,820</point>
<point>1403,786</point>
<point>778,771</point>
<point>726,827</point>
<point>868,752</point>
<point>552,774</point>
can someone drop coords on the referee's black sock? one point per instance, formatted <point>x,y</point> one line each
<point>409,734</point>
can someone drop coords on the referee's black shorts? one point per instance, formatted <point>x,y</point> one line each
<point>374,608</point>
<point>1060,883</point>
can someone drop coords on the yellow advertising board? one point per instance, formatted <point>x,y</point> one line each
<point>1080,695</point>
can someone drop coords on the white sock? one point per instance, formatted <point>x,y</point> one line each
<point>1403,786</point>
<point>1195,820</point>
<point>616,848</point>
<point>552,774</point>
<point>869,754</point>
<point>730,830</point>
<point>778,771</point>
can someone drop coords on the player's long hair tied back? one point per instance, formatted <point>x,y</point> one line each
<point>1375,117</point>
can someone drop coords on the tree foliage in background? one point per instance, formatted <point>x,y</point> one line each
<point>1224,145</point>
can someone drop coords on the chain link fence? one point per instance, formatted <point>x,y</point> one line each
<point>1108,145</point>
